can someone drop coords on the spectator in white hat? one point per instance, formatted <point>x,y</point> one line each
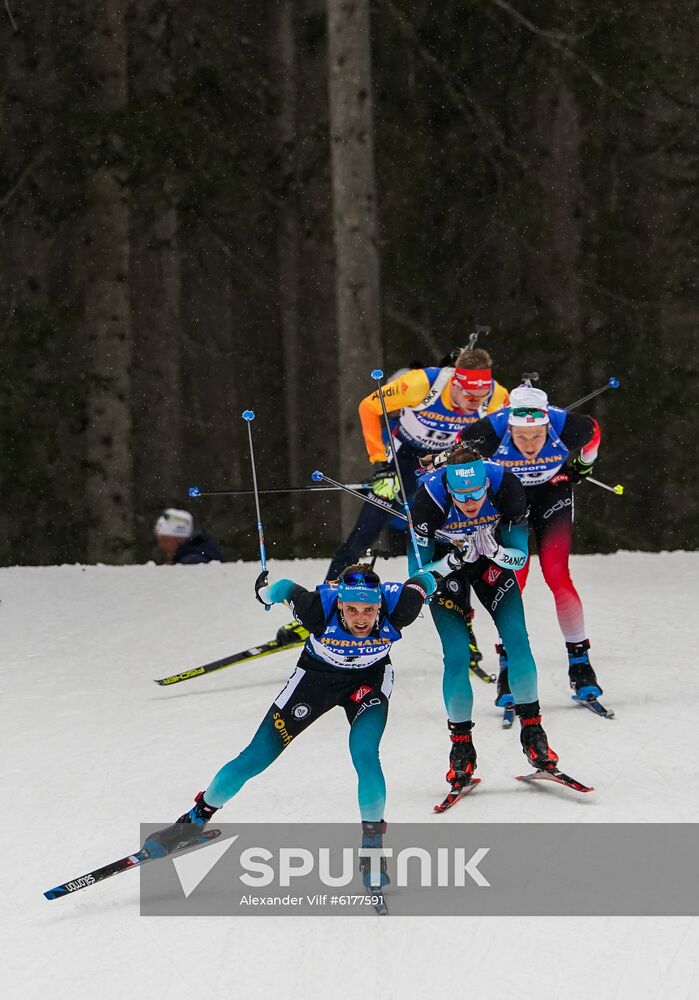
<point>180,544</point>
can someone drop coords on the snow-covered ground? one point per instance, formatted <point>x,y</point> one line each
<point>91,747</point>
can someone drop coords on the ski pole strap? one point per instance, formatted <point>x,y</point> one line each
<point>613,383</point>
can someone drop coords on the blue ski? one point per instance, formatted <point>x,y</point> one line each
<point>122,865</point>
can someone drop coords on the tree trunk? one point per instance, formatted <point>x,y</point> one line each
<point>556,269</point>
<point>155,286</point>
<point>355,227</point>
<point>284,42</point>
<point>105,270</point>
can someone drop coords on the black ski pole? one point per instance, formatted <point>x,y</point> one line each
<point>613,383</point>
<point>249,416</point>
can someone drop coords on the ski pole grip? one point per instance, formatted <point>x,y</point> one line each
<point>614,382</point>
<point>248,415</point>
<point>194,491</point>
<point>377,374</point>
<point>317,476</point>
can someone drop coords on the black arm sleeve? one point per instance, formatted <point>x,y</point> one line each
<point>408,605</point>
<point>577,431</point>
<point>308,608</point>
<point>511,500</point>
<point>428,516</point>
<point>481,436</point>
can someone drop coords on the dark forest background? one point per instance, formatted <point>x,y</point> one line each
<point>167,253</point>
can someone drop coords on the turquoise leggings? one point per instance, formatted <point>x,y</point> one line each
<point>503,602</point>
<point>317,692</point>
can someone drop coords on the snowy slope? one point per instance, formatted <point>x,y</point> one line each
<point>91,747</point>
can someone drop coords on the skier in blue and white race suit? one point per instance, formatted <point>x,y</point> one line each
<point>345,662</point>
<point>481,508</point>
<point>549,450</point>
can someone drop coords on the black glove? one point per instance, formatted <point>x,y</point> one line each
<point>261,582</point>
<point>468,553</point>
<point>578,470</point>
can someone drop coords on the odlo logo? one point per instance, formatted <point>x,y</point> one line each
<point>500,593</point>
<point>301,710</point>
<point>280,726</point>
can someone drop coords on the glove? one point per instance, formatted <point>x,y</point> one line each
<point>460,557</point>
<point>578,470</point>
<point>384,483</point>
<point>485,544</point>
<point>426,580</point>
<point>261,588</point>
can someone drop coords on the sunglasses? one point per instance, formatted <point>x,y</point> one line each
<point>529,411</point>
<point>470,495</point>
<point>368,580</point>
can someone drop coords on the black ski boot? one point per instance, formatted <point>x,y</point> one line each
<point>182,833</point>
<point>533,738</point>
<point>462,757</point>
<point>504,696</point>
<point>372,837</point>
<point>580,673</point>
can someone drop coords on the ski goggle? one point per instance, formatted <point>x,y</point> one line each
<point>362,588</point>
<point>464,497</point>
<point>530,411</point>
<point>528,416</point>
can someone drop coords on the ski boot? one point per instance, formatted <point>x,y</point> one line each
<point>294,633</point>
<point>462,764</point>
<point>462,757</point>
<point>580,673</point>
<point>372,837</point>
<point>504,696</point>
<point>182,833</point>
<point>533,738</point>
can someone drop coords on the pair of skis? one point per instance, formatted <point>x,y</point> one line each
<point>459,790</point>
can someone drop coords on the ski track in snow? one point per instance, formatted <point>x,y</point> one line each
<point>92,747</point>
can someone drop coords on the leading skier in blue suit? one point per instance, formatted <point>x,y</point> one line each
<point>482,508</point>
